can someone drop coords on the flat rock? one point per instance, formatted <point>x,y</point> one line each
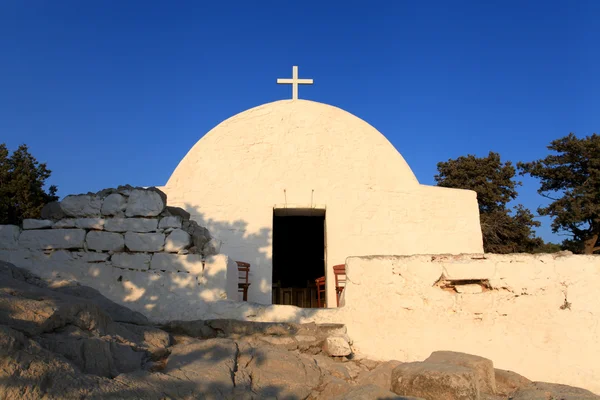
<point>37,223</point>
<point>482,367</point>
<point>435,381</point>
<point>89,223</point>
<point>82,205</point>
<point>145,203</point>
<point>105,241</point>
<point>372,392</point>
<point>151,242</point>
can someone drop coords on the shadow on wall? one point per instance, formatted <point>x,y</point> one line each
<point>240,245</point>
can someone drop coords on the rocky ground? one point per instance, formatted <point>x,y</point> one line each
<point>59,340</point>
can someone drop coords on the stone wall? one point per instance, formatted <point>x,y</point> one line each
<point>130,245</point>
<point>537,315</point>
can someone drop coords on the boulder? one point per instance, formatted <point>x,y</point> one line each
<point>37,223</point>
<point>372,392</point>
<point>177,240</point>
<point>142,225</point>
<point>173,221</point>
<point>337,347</point>
<point>482,367</point>
<point>52,211</point>
<point>82,205</point>
<point>9,236</point>
<point>104,241</point>
<point>169,210</point>
<point>145,203</point>
<point>137,261</point>
<point>435,381</point>
<point>114,204</point>
<point>151,242</point>
<point>52,239</point>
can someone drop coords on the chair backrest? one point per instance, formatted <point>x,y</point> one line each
<point>340,275</point>
<point>243,270</point>
<point>320,282</point>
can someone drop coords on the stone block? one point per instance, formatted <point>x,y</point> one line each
<point>191,263</point>
<point>82,205</point>
<point>105,241</point>
<point>131,225</point>
<point>177,211</point>
<point>114,204</point>
<point>52,239</point>
<point>64,223</point>
<point>52,211</point>
<point>139,261</point>
<point>37,223</point>
<point>177,240</point>
<point>435,381</point>
<point>337,347</point>
<point>173,221</point>
<point>144,241</point>
<point>145,203</point>
<point>89,223</point>
<point>9,236</point>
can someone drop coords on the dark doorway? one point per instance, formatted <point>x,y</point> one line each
<point>298,257</point>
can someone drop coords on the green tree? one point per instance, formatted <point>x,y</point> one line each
<point>22,180</point>
<point>571,179</point>
<point>504,231</point>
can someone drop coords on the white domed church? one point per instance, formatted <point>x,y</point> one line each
<point>295,187</point>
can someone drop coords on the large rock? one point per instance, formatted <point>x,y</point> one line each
<point>105,241</point>
<point>9,236</point>
<point>381,375</point>
<point>435,381</point>
<point>482,367</point>
<point>114,204</point>
<point>151,242</point>
<point>82,205</point>
<point>52,211</point>
<point>37,223</point>
<point>212,247</point>
<point>87,223</point>
<point>142,225</point>
<point>337,346</point>
<point>145,203</point>
<point>52,239</point>
<point>138,261</point>
<point>553,391</point>
<point>372,392</point>
<point>177,240</point>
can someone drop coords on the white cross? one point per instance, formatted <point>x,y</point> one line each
<point>295,82</point>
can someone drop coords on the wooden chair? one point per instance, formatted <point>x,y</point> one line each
<point>340,280</point>
<point>243,284</point>
<point>320,282</point>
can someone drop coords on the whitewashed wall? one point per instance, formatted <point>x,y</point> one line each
<point>303,154</point>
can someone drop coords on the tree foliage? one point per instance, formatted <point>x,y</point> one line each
<point>571,179</point>
<point>22,180</point>
<point>504,231</point>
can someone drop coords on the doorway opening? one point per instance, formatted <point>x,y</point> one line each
<point>298,255</point>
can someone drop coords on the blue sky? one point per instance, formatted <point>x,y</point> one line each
<point>115,92</point>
